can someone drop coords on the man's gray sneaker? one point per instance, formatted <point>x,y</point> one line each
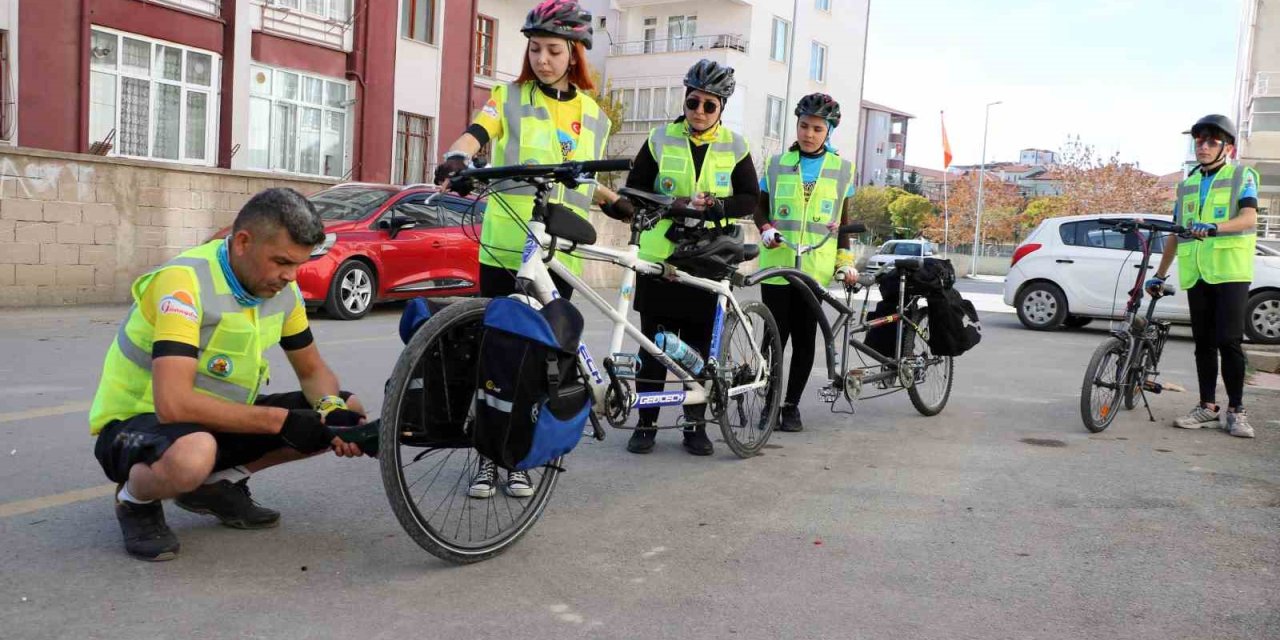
<point>1200,417</point>
<point>1238,424</point>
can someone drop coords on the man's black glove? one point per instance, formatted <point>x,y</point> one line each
<point>306,431</point>
<point>342,418</point>
<point>446,171</point>
<point>620,209</point>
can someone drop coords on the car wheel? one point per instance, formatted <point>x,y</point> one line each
<point>1076,322</point>
<point>351,292</point>
<point>1042,306</point>
<point>1262,318</point>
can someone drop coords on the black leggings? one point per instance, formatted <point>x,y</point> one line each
<point>795,320</point>
<point>496,282</point>
<point>1217,325</point>
<point>695,332</point>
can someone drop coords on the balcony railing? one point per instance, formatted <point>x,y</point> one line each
<point>280,18</point>
<point>1266,83</point>
<point>677,45</point>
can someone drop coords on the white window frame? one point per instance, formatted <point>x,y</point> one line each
<point>213,92</point>
<point>820,60</point>
<point>682,41</point>
<point>649,29</point>
<point>298,104</point>
<point>1270,114</point>
<point>334,10</point>
<point>822,5</point>
<point>773,39</point>
<point>774,108</point>
<point>641,118</point>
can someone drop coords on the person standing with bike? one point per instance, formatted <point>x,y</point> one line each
<point>801,200</point>
<point>544,117</point>
<point>704,165</point>
<point>1218,202</point>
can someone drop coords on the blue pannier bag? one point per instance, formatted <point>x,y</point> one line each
<point>532,401</point>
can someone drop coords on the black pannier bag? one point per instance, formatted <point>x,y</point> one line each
<point>954,327</point>
<point>531,399</point>
<point>441,388</point>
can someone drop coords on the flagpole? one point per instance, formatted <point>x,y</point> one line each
<point>946,218</point>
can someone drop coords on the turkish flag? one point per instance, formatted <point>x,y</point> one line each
<point>946,145</point>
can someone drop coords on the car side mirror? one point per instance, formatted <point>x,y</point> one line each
<point>395,224</point>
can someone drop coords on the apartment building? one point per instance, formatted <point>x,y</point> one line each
<point>1257,106</point>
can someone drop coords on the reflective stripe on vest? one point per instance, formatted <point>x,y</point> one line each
<point>669,147</point>
<point>1228,256</point>
<point>801,220</point>
<point>529,137</point>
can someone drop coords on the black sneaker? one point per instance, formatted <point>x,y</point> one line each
<point>697,442</point>
<point>146,536</point>
<point>642,440</point>
<point>789,420</point>
<point>231,504</point>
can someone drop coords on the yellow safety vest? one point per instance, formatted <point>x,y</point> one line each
<point>804,222</point>
<point>669,146</point>
<point>233,340</point>
<point>529,136</point>
<point>1227,257</point>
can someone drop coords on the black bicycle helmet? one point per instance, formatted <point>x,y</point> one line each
<point>560,19</point>
<point>1219,122</point>
<point>711,77</point>
<point>712,255</point>
<point>820,105</point>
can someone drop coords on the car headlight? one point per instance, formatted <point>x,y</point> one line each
<point>325,246</point>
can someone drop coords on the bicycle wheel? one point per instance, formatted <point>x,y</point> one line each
<point>1100,396</point>
<point>931,374</point>
<point>427,413</point>
<point>751,413</point>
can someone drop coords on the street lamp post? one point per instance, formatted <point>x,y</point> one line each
<point>982,179</point>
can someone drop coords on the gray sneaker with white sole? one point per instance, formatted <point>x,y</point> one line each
<point>1198,418</point>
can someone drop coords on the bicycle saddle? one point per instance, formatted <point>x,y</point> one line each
<point>908,264</point>
<point>646,199</point>
<point>750,252</point>
<point>565,224</point>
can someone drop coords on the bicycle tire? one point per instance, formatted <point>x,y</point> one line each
<point>1134,380</point>
<point>744,433</point>
<point>946,366</point>
<point>452,328</point>
<point>1098,412</point>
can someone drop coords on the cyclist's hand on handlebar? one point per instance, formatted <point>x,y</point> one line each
<point>847,275</point>
<point>445,176</point>
<point>1154,285</point>
<point>702,201</point>
<point>1202,230</point>
<point>621,210</point>
<point>770,237</point>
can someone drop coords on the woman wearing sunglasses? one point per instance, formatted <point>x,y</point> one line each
<point>802,199</point>
<point>704,165</point>
<point>544,117</point>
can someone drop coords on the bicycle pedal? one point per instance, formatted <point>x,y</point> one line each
<point>626,365</point>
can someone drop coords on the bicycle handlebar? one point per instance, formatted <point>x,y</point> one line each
<point>1129,225</point>
<point>852,227</point>
<point>562,171</point>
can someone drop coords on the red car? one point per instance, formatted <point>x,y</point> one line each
<point>385,242</point>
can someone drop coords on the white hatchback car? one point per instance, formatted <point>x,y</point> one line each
<point>1071,270</point>
<point>888,253</point>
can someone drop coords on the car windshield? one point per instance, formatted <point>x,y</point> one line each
<point>347,203</point>
<point>903,249</point>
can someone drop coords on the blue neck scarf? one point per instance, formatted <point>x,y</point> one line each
<point>242,295</point>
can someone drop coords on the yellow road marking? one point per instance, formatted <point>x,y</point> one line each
<point>20,507</point>
<point>45,412</point>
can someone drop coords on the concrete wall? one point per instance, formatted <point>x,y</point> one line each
<point>78,229</point>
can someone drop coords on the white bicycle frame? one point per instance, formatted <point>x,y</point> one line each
<point>533,268</point>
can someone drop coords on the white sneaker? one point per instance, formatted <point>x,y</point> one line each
<point>518,484</point>
<point>482,484</point>
<point>1238,424</point>
<point>1199,417</point>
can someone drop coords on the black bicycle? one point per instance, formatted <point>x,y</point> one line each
<point>1126,366</point>
<point>908,363</point>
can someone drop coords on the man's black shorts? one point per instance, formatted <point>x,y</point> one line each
<point>124,443</point>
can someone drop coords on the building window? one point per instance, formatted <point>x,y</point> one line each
<point>650,33</point>
<point>649,107</point>
<point>818,63</point>
<point>297,122</point>
<point>6,90</point>
<point>336,10</point>
<point>773,118</point>
<point>823,5</point>
<point>486,41</point>
<point>1265,115</point>
<point>418,20</point>
<point>152,99</point>
<point>413,149</point>
<point>680,32</point>
<point>780,40</point>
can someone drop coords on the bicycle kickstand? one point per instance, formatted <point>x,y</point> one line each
<point>1146,405</point>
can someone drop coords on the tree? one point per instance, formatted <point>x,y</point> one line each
<point>1091,185</point>
<point>909,213</point>
<point>870,206</point>
<point>1001,205</point>
<point>1043,208</point>
<point>614,109</point>
<point>914,185</point>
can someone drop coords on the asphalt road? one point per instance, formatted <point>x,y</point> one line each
<point>1000,518</point>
